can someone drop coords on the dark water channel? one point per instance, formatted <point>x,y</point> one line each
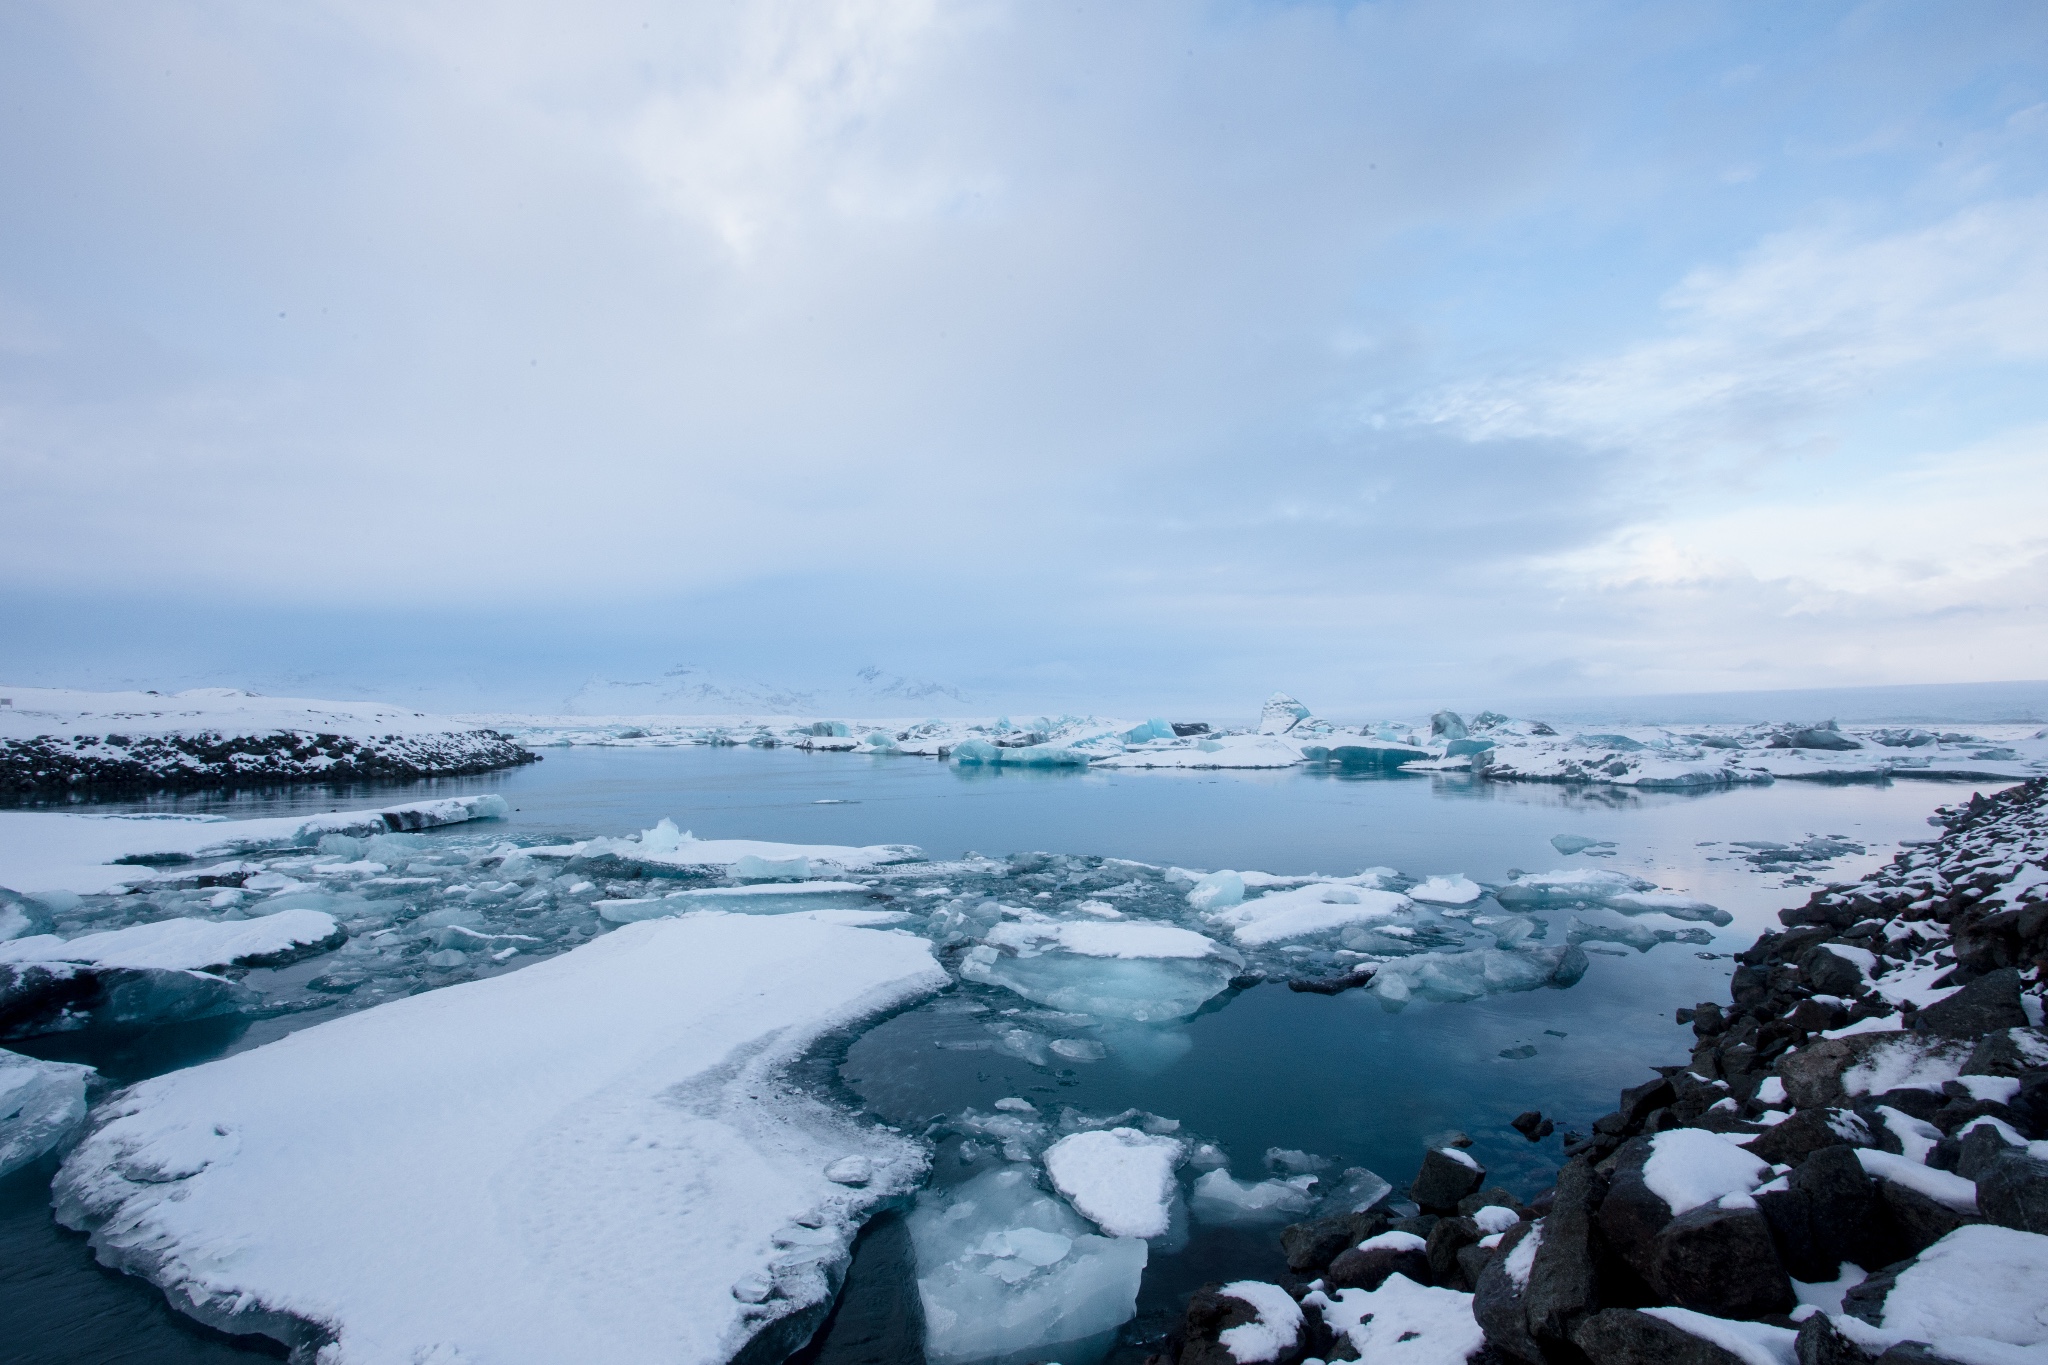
<point>1337,1076</point>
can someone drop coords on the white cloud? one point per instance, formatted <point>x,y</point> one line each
<point>1807,321</point>
<point>1929,535</point>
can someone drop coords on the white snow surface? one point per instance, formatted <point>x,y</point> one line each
<point>1456,889</point>
<point>1404,1323</point>
<point>1945,1186</point>
<point>1980,1286</point>
<point>1754,1343</point>
<point>592,1159</point>
<point>1272,1334</point>
<point>1313,909</point>
<point>180,944</point>
<point>43,851</point>
<point>1689,1167</point>
<point>1119,1178</point>
<point>1909,1062</point>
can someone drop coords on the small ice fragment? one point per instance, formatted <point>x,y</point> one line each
<point>850,1170</point>
<point>1217,891</point>
<point>1456,889</point>
<point>41,1105</point>
<point>1218,1199</point>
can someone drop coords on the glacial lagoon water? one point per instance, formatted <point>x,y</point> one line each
<point>1337,1077</point>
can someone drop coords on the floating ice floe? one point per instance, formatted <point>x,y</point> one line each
<point>592,1159</point>
<point>1006,1271</point>
<point>83,854</point>
<point>1456,889</point>
<point>1219,1199</point>
<point>667,849</point>
<point>1318,908</point>
<point>188,944</point>
<point>1147,973</point>
<point>41,1105</point>
<point>1119,1178</point>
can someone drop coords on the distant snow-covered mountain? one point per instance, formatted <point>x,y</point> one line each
<point>689,690</point>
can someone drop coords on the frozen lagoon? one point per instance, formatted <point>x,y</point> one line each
<point>1258,1069</point>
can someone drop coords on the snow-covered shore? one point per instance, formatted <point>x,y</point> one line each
<point>65,741</point>
<point>1852,1168</point>
<point>60,741</point>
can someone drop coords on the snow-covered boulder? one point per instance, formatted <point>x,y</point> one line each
<point>593,1159</point>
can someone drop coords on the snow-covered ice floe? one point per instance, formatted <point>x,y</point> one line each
<point>665,848</point>
<point>593,1159</point>
<point>87,854</point>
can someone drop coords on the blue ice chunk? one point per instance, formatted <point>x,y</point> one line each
<point>1007,1272</point>
<point>41,1105</point>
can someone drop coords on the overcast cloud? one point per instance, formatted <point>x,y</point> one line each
<point>1078,355</point>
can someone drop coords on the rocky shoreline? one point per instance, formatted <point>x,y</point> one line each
<point>1851,1168</point>
<point>53,765</point>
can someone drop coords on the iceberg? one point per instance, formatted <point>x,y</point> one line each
<point>1281,714</point>
<point>1007,1272</point>
<point>41,1105</point>
<point>592,1159</point>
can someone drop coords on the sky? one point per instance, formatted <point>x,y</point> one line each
<point>1078,355</point>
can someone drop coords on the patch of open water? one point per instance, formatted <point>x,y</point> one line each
<point>1339,1077</point>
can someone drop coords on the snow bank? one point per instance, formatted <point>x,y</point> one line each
<point>592,1159</point>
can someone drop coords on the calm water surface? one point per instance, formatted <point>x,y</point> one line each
<point>1336,1076</point>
